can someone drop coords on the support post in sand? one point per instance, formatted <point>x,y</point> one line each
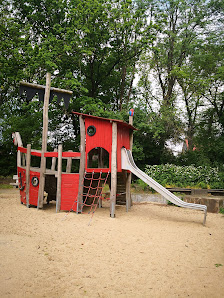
<point>44,141</point>
<point>128,178</point>
<point>113,170</point>
<point>82,162</point>
<point>58,199</point>
<point>28,160</point>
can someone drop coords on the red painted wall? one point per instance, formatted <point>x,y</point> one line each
<point>102,137</point>
<point>33,194</point>
<point>69,191</point>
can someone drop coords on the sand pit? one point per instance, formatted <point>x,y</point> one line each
<point>152,251</point>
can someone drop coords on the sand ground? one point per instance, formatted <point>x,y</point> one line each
<point>151,251</point>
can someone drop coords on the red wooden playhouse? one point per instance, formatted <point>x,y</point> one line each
<point>101,141</point>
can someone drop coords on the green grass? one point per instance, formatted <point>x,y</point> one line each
<point>218,265</point>
<point>5,186</point>
<point>221,210</point>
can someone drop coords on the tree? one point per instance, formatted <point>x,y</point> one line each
<point>172,69</point>
<point>181,23</point>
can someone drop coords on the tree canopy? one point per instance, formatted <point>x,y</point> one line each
<point>164,58</point>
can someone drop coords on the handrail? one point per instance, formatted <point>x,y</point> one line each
<point>50,154</point>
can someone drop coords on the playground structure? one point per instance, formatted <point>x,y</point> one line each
<point>104,157</point>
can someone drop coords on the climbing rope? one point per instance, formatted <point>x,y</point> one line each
<point>92,191</point>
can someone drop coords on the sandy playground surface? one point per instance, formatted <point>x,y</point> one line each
<point>152,251</point>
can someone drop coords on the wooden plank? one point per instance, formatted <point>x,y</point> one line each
<point>113,170</point>
<point>58,199</point>
<point>69,164</point>
<point>128,178</point>
<point>82,161</point>
<point>44,141</point>
<point>36,86</point>
<point>22,149</point>
<point>28,160</point>
<point>53,161</point>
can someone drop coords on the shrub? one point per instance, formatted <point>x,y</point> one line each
<point>186,176</point>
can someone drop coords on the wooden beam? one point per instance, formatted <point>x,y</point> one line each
<point>82,162</point>
<point>113,170</point>
<point>131,132</point>
<point>128,178</point>
<point>58,199</point>
<point>28,160</point>
<point>36,86</point>
<point>44,141</point>
<point>53,161</point>
<point>69,164</point>
<point>19,143</point>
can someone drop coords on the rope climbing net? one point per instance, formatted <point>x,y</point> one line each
<point>93,191</point>
<point>93,185</point>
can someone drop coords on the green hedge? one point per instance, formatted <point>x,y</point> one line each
<point>186,176</point>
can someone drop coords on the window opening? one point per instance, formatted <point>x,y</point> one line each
<point>98,158</point>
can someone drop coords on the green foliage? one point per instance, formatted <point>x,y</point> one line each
<point>5,186</point>
<point>186,176</point>
<point>25,118</point>
<point>93,48</point>
<point>141,185</point>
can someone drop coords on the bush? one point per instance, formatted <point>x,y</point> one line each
<point>170,175</point>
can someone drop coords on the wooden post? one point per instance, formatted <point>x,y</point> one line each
<point>53,163</point>
<point>44,141</point>
<point>19,143</point>
<point>28,160</point>
<point>128,179</point>
<point>58,200</point>
<point>82,161</point>
<point>113,170</point>
<point>69,164</point>
<point>131,133</point>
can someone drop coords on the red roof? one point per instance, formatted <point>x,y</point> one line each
<point>101,118</point>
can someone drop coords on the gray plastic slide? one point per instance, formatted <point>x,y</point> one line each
<point>129,164</point>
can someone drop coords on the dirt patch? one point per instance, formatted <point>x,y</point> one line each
<point>151,251</point>
<point>6,180</point>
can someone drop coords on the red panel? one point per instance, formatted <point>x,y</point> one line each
<point>51,154</point>
<point>102,137</point>
<point>22,184</point>
<point>71,154</point>
<point>33,193</point>
<point>34,153</point>
<point>21,149</point>
<point>69,191</point>
<point>64,154</point>
<point>123,140</point>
